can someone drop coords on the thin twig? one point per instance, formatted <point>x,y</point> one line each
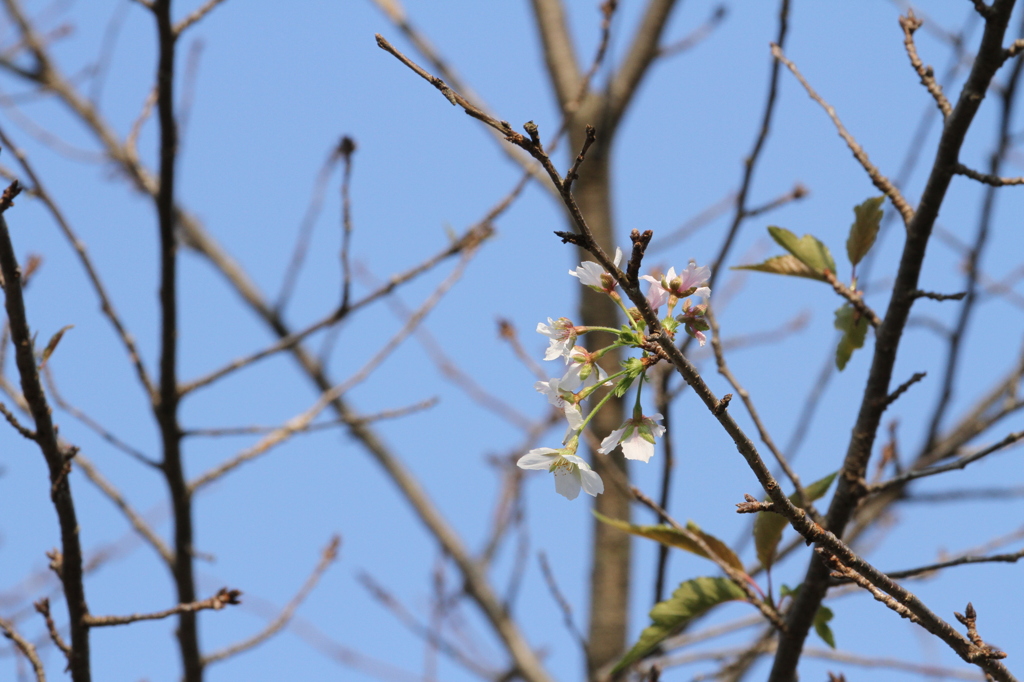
<point>93,425</point>
<point>960,561</point>
<point>917,376</point>
<point>346,148</point>
<point>302,240</point>
<point>469,240</point>
<point>224,597</point>
<point>938,297</point>
<point>909,24</point>
<point>987,178</point>
<point>959,463</point>
<point>880,181</point>
<point>412,623</point>
<point>106,305</point>
<point>723,369</point>
<point>195,17</point>
<point>25,647</point>
<point>563,604</point>
<point>327,557</point>
<point>13,421</point>
<point>697,35</point>
<point>136,521</point>
<point>42,607</point>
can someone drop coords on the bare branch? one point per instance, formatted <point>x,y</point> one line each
<point>13,421</point>
<point>880,181</point>
<point>697,35</point>
<point>25,647</point>
<point>987,178</point>
<point>959,463</point>
<point>136,521</point>
<point>106,306</point>
<point>43,608</point>
<point>917,376</point>
<point>414,625</point>
<point>563,604</point>
<point>56,455</point>
<point>224,597</point>
<point>917,293</point>
<point>195,17</point>
<point>396,13</point>
<point>723,369</point>
<point>909,24</point>
<point>922,571</point>
<point>327,557</point>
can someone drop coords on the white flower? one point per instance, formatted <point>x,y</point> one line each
<point>563,399</point>
<point>636,436</point>
<point>562,334</point>
<point>593,275</point>
<point>571,471</point>
<point>584,371</point>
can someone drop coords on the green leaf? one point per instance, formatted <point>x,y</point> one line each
<point>855,328</point>
<point>691,599</point>
<point>808,249</point>
<point>867,218</point>
<point>821,619</point>
<point>52,345</point>
<point>783,265</point>
<point>768,526</point>
<point>667,535</point>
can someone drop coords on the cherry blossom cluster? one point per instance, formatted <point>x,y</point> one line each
<point>584,376</point>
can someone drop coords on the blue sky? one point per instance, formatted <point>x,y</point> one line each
<point>276,86</point>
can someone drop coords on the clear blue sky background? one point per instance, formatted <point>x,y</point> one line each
<point>277,85</point>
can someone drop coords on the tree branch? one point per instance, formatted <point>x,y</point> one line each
<point>880,181</point>
<point>224,597</point>
<point>58,458</point>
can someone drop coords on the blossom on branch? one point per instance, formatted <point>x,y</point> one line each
<point>571,472</point>
<point>593,274</point>
<point>672,287</point>
<point>694,321</point>
<point>584,371</point>
<point>563,399</point>
<point>636,436</point>
<point>563,337</point>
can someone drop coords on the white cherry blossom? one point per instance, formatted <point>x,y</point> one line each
<point>571,472</point>
<point>636,436</point>
<point>563,337</point>
<point>593,274</point>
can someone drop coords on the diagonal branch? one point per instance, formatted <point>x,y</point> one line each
<point>58,458</point>
<point>919,227</point>
<point>880,181</point>
<point>25,647</point>
<point>327,557</point>
<point>224,597</point>
<point>909,24</point>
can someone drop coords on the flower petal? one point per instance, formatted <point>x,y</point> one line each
<point>538,458</point>
<point>591,482</point>
<point>637,447</point>
<point>567,483</point>
<point>612,441</point>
